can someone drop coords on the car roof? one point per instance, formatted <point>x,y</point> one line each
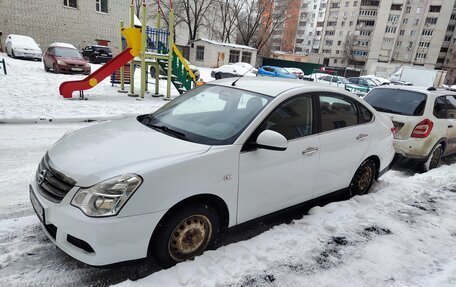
<point>434,93</point>
<point>63,45</point>
<point>270,86</point>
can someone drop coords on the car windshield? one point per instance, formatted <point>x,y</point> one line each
<point>67,53</point>
<point>395,101</point>
<point>210,114</point>
<point>103,50</point>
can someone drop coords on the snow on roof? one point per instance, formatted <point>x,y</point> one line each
<point>63,45</point>
<point>225,44</point>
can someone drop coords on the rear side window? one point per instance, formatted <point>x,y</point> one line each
<point>365,116</point>
<point>398,102</point>
<point>337,112</point>
<point>451,107</point>
<point>439,108</point>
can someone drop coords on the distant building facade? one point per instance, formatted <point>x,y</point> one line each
<point>78,22</point>
<point>212,54</point>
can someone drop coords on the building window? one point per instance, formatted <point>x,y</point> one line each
<point>401,32</point>
<point>393,18</point>
<point>398,43</point>
<point>234,56</point>
<point>70,3</point>
<point>405,21</point>
<point>200,53</point>
<point>101,6</point>
<point>407,10</point>
<point>434,8</point>
<point>246,57</point>
<point>447,38</point>
<point>427,32</point>
<point>450,28</point>
<point>416,22</point>
<point>431,20</point>
<point>420,56</point>
<point>390,29</point>
<point>424,44</point>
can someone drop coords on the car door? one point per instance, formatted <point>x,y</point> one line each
<point>344,141</point>
<point>271,180</point>
<point>451,115</point>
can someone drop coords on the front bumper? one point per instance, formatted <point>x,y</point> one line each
<point>111,239</point>
<point>68,69</point>
<point>27,55</point>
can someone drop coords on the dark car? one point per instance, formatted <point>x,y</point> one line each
<point>97,54</point>
<point>65,58</point>
<point>364,82</point>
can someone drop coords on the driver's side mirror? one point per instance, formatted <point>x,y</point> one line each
<point>271,140</point>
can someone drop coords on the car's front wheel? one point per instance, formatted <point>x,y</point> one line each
<point>434,158</point>
<point>45,67</point>
<point>363,178</point>
<point>218,76</point>
<point>186,233</point>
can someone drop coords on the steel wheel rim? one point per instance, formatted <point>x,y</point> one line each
<point>435,159</point>
<point>364,180</point>
<point>190,237</point>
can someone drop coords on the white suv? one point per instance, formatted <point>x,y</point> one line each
<point>425,120</point>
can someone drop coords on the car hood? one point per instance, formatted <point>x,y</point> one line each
<point>102,151</point>
<point>27,48</point>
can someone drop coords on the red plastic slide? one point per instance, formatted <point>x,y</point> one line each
<point>67,88</point>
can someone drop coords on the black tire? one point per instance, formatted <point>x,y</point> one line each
<point>93,59</point>
<point>12,54</point>
<point>433,161</point>
<point>363,178</point>
<point>46,69</point>
<point>218,76</point>
<point>186,233</point>
<point>55,69</point>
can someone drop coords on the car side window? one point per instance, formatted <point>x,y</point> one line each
<point>440,108</point>
<point>267,69</point>
<point>451,107</point>
<point>365,116</point>
<point>293,118</point>
<point>337,112</point>
<point>363,83</point>
<point>353,80</point>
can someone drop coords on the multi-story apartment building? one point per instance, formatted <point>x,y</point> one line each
<point>379,36</point>
<point>79,22</point>
<point>310,26</point>
<point>284,35</point>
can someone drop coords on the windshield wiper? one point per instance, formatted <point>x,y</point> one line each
<point>387,110</point>
<point>168,131</point>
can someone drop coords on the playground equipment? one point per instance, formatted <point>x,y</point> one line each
<point>145,46</point>
<point>3,63</point>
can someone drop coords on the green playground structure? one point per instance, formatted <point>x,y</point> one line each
<point>158,50</point>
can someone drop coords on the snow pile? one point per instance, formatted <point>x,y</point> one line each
<point>404,234</point>
<point>29,94</point>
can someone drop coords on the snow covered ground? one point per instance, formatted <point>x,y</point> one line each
<point>401,234</point>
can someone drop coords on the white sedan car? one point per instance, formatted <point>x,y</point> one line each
<point>19,46</point>
<point>165,184</point>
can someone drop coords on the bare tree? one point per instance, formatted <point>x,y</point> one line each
<point>349,45</point>
<point>137,4</point>
<point>258,20</point>
<point>226,12</point>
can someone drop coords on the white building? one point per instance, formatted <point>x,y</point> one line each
<point>212,54</point>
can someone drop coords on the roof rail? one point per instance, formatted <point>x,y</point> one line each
<point>431,89</point>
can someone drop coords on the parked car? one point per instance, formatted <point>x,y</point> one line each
<point>20,46</point>
<point>295,71</point>
<point>425,121</point>
<point>378,80</point>
<point>65,58</point>
<point>217,150</point>
<point>231,70</point>
<point>271,71</point>
<point>194,69</point>
<point>364,82</point>
<point>342,82</point>
<point>97,54</point>
<point>400,83</point>
<point>247,67</point>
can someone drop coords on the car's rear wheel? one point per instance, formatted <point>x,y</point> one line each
<point>434,158</point>
<point>186,233</point>
<point>55,69</point>
<point>218,76</point>
<point>45,67</point>
<point>363,178</point>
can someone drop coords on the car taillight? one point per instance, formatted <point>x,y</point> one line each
<point>423,129</point>
<point>394,131</point>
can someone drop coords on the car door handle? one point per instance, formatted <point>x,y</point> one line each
<point>361,137</point>
<point>450,126</point>
<point>310,151</point>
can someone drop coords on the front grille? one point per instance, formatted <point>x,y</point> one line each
<point>53,185</point>
<point>76,65</point>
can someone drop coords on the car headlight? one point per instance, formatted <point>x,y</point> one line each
<point>107,197</point>
<point>59,62</point>
<point>87,65</point>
